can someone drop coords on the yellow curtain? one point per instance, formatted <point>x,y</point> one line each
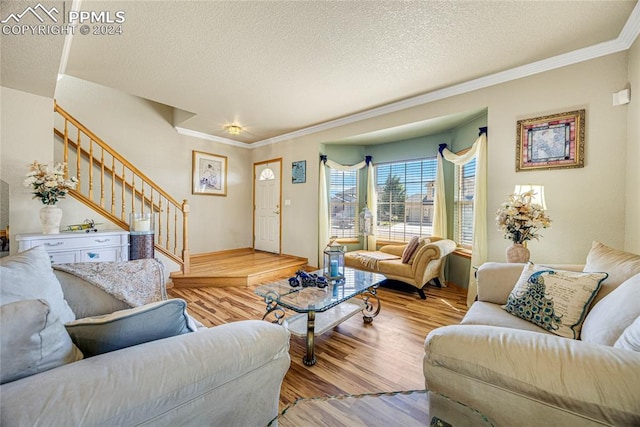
<point>478,151</point>
<point>323,212</point>
<point>372,204</point>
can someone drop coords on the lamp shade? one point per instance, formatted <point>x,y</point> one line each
<point>538,193</point>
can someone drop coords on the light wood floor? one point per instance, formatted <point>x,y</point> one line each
<point>393,409</point>
<point>354,357</point>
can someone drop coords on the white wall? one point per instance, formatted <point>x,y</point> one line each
<point>26,135</point>
<point>585,204</point>
<point>300,219</point>
<point>632,219</point>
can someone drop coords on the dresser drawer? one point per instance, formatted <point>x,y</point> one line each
<point>64,257</point>
<point>101,255</point>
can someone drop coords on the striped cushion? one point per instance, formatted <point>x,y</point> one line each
<point>410,249</point>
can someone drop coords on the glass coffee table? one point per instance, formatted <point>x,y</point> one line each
<point>321,309</point>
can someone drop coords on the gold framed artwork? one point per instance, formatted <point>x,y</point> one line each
<point>550,142</point>
<point>209,174</point>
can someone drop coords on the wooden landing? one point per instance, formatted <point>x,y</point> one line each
<point>237,267</point>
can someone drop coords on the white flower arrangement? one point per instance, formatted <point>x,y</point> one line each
<point>520,219</point>
<point>49,183</point>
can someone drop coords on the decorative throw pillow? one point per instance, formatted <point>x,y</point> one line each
<point>423,241</point>
<point>630,338</point>
<point>608,319</point>
<point>410,249</point>
<point>28,275</point>
<point>619,264</point>
<point>33,340</point>
<point>555,300</point>
<point>126,328</point>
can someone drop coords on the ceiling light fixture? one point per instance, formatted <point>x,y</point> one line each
<point>233,129</point>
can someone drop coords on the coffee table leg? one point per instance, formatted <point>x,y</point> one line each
<point>272,307</point>
<point>309,359</point>
<point>371,309</point>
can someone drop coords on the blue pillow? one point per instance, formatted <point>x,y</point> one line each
<point>126,328</point>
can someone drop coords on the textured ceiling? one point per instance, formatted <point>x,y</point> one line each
<point>29,63</point>
<point>277,67</point>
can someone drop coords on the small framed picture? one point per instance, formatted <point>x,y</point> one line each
<point>299,172</point>
<point>549,142</point>
<point>209,174</point>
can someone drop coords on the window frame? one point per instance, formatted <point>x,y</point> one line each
<point>387,236</point>
<point>341,238</point>
<point>464,249</point>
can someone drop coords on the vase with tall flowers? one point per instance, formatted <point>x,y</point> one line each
<point>520,219</point>
<point>49,185</point>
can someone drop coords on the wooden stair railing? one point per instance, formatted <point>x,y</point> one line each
<point>109,184</point>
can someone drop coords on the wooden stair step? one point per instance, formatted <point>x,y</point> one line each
<point>237,267</point>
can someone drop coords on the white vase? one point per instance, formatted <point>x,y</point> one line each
<point>50,217</point>
<point>517,252</point>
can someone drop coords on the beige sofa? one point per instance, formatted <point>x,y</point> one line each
<point>228,375</point>
<point>425,265</point>
<point>498,369</point>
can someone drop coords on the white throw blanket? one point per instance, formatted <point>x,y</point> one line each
<point>371,259</point>
<point>136,282</point>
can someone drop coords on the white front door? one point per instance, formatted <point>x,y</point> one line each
<point>266,200</point>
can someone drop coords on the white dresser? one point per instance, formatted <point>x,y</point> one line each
<point>79,246</point>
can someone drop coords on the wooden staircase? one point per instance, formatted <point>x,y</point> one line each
<point>221,269</point>
<point>110,185</point>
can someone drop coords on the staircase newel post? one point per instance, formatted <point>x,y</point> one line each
<point>185,237</point>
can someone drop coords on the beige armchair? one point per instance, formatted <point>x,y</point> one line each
<point>425,265</point>
<point>498,369</point>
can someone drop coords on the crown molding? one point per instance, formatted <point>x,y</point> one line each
<point>631,29</point>
<point>625,39</point>
<point>209,137</point>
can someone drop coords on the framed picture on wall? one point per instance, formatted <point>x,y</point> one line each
<point>299,172</point>
<point>209,174</point>
<point>549,142</point>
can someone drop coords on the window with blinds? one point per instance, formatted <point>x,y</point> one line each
<point>405,192</point>
<point>343,191</point>
<point>463,204</point>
